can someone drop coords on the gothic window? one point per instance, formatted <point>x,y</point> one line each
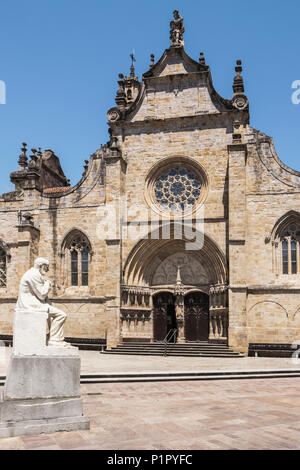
<point>77,251</point>
<point>2,268</point>
<point>290,252</point>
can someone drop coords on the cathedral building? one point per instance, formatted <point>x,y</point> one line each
<point>186,220</point>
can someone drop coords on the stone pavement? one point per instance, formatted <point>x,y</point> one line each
<point>231,414</point>
<point>94,362</point>
<point>225,414</point>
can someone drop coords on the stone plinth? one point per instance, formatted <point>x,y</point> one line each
<point>42,394</point>
<point>31,377</point>
<point>42,388</point>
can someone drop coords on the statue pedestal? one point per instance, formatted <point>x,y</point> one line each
<point>42,388</point>
<point>29,332</point>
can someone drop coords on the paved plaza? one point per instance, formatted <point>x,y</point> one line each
<point>214,415</point>
<point>229,414</point>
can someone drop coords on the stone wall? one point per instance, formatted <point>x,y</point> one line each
<point>177,116</point>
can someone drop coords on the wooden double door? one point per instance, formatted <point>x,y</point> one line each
<point>196,316</point>
<point>164,316</point>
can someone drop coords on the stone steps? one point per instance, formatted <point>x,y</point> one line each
<point>171,348</point>
<point>201,349</point>
<point>174,345</point>
<point>178,354</point>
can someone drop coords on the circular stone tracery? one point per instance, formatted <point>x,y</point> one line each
<point>177,189</point>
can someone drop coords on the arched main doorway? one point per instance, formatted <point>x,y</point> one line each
<point>164,316</point>
<point>196,316</point>
<point>165,267</point>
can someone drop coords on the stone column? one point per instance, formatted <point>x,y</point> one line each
<point>179,308</point>
<point>237,330</point>
<point>115,167</point>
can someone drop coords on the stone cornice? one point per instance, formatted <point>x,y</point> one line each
<point>157,123</point>
<point>264,288</point>
<point>86,299</point>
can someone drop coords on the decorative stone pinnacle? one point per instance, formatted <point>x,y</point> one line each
<point>178,278</point>
<point>23,157</point>
<point>239,67</point>
<point>238,82</point>
<point>176,30</point>
<point>132,70</point>
<point>202,59</point>
<point>121,96</point>
<point>152,60</point>
<point>85,166</point>
<point>179,289</point>
<point>113,142</point>
<point>34,158</point>
<point>39,152</point>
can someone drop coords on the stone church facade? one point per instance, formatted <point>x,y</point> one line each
<point>185,219</point>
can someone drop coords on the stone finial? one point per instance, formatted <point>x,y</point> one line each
<point>202,59</point>
<point>151,60</point>
<point>178,277</point>
<point>39,153</point>
<point>239,100</point>
<point>113,142</point>
<point>23,157</point>
<point>85,166</point>
<point>176,30</point>
<point>179,290</point>
<point>238,82</point>
<point>121,95</point>
<point>34,158</point>
<point>132,69</point>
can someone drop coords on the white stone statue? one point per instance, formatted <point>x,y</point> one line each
<point>33,296</point>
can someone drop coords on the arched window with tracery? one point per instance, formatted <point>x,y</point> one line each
<point>286,243</point>
<point>77,257</point>
<point>290,241</point>
<point>3,272</point>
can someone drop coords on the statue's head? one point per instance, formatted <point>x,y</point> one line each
<point>176,14</point>
<point>42,264</point>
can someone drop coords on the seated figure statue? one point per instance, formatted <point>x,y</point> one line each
<point>33,295</point>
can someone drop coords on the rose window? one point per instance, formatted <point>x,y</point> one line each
<point>177,189</point>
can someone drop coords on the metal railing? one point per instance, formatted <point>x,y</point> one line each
<point>167,340</point>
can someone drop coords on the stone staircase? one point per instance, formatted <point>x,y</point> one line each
<point>199,349</point>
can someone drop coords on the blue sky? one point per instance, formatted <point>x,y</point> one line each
<point>60,61</point>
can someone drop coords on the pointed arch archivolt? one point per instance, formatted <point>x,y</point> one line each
<point>148,254</point>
